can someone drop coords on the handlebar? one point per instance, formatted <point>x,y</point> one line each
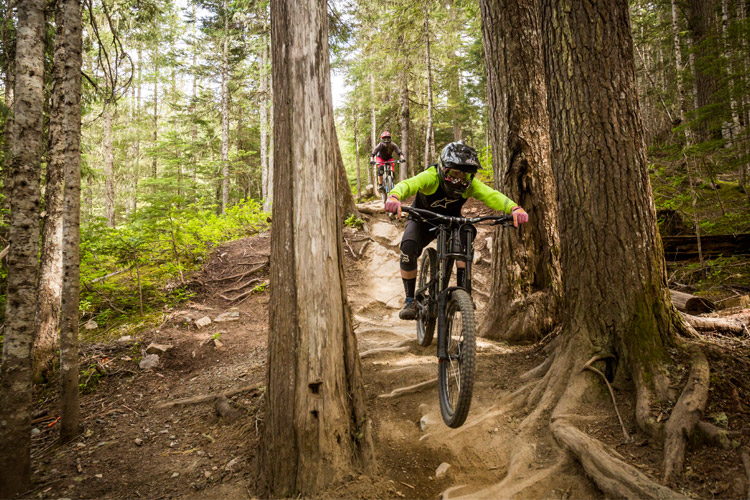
<point>419,212</point>
<point>388,161</point>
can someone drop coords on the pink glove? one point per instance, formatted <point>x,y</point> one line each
<point>393,205</point>
<point>519,216</point>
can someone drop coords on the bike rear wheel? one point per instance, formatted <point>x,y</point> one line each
<point>456,374</point>
<point>425,318</point>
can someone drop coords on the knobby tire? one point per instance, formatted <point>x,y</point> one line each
<point>426,320</point>
<point>456,374</point>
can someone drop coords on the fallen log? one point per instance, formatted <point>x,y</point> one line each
<point>690,303</point>
<point>370,210</point>
<point>679,248</point>
<point>725,325</point>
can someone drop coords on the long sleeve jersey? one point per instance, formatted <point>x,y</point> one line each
<point>431,196</point>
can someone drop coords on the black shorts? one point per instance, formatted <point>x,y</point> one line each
<point>419,232</point>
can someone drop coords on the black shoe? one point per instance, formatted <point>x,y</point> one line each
<point>410,309</point>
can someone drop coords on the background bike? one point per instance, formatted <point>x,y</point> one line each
<point>388,176</point>
<point>451,307</point>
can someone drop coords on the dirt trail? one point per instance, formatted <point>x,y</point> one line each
<point>133,447</point>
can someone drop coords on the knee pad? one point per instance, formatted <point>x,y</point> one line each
<point>409,255</point>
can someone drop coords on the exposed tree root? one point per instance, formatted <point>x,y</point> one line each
<point>686,414</point>
<point>383,349</point>
<point>746,463</point>
<point>613,476</point>
<point>723,325</point>
<point>208,398</point>
<point>588,366</point>
<point>410,389</point>
<point>537,371</point>
<point>715,436</point>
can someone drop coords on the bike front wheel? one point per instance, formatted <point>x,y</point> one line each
<point>425,318</point>
<point>456,373</point>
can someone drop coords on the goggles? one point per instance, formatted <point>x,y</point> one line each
<point>387,138</point>
<point>455,175</point>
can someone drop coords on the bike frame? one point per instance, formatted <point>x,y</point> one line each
<point>455,242</point>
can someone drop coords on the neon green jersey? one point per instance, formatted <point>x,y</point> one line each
<point>430,195</point>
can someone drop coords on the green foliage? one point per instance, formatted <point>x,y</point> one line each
<point>158,249</point>
<point>89,379</point>
<point>353,221</point>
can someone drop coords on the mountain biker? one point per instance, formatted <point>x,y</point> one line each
<point>384,152</point>
<point>442,188</point>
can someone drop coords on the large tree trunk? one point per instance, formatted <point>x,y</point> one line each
<point>23,257</point>
<point>616,315</point>
<point>429,139</point>
<point>109,166</point>
<point>225,114</point>
<point>316,429</point>
<point>9,75</point>
<point>405,121</point>
<point>137,121</point>
<point>525,267</point>
<point>69,56</point>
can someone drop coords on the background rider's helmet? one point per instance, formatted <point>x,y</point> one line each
<point>385,137</point>
<point>457,166</point>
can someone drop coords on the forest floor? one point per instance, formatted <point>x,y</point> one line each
<point>135,446</point>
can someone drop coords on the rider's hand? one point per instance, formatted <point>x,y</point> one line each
<point>519,216</point>
<point>393,205</point>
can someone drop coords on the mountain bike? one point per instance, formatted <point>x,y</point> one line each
<point>388,176</point>
<point>451,307</point>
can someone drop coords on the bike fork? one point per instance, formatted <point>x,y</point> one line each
<point>442,342</point>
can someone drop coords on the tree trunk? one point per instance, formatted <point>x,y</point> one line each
<point>744,65</point>
<point>137,121</point>
<point>109,166</point>
<point>733,106</point>
<point>616,304</point>
<point>265,179</point>
<point>701,21</point>
<point>429,140</point>
<point>373,128</point>
<point>23,257</point>
<point>68,15</point>
<point>155,133</point>
<point>525,264</point>
<point>355,119</point>
<point>225,114</point>
<point>50,269</point>
<point>316,429</point>
<point>10,75</point>
<point>405,121</point>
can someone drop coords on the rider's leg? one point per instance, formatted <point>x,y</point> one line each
<point>416,237</point>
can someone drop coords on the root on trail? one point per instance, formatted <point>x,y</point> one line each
<point>383,349</point>
<point>209,397</point>
<point>588,366</point>
<point>686,414</point>
<point>613,475</point>
<point>410,389</point>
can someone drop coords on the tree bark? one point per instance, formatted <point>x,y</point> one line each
<point>355,119</point>
<point>266,180</point>
<point>50,269</point>
<point>316,427</point>
<point>68,15</point>
<point>405,122</point>
<point>225,114</point>
<point>525,264</point>
<point>429,140</point>
<point>155,132</point>
<point>373,127</point>
<point>137,162</point>
<point>109,166</point>
<point>23,256</point>
<point>702,24</point>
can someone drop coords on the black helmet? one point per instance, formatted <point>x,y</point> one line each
<point>457,166</point>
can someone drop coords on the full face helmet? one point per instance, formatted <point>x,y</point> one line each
<point>456,169</point>
<point>385,137</point>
